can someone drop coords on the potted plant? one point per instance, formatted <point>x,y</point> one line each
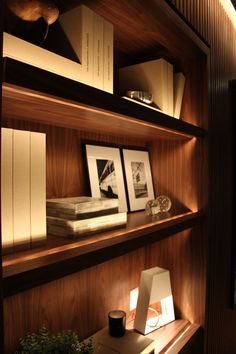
<point>65,342</point>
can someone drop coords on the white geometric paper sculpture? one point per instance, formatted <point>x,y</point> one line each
<point>155,302</point>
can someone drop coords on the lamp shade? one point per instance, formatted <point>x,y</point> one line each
<point>155,302</point>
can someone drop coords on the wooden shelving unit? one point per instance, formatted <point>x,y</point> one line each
<point>71,114</point>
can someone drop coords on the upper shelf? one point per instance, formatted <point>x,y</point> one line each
<point>53,98</point>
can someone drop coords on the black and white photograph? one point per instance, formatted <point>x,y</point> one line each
<point>138,178</point>
<point>106,173</point>
<point>107,178</point>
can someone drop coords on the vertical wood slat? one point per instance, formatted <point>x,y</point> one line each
<point>1,293</point>
<point>214,25</point>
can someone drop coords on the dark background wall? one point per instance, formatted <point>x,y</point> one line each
<point>210,20</point>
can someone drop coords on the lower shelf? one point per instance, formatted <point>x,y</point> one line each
<point>60,256</point>
<point>171,339</point>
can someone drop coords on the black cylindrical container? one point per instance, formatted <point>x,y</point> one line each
<point>116,323</point>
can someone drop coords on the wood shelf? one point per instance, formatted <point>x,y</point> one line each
<point>58,101</point>
<point>172,337</point>
<point>60,256</point>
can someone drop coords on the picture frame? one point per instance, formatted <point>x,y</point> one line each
<point>106,173</point>
<point>138,175</point>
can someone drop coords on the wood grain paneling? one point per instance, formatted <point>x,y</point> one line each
<point>1,295</point>
<point>209,18</point>
<point>81,301</point>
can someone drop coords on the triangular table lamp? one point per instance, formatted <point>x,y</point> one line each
<point>155,302</point>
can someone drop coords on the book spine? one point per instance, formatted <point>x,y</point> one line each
<point>31,54</point>
<point>98,51</point>
<point>21,189</point>
<point>38,187</point>
<point>6,190</point>
<point>170,89</point>
<point>179,83</point>
<point>78,27</point>
<point>108,35</point>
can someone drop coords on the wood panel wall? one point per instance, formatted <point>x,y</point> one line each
<point>82,300</point>
<point>210,20</point>
<point>1,298</point>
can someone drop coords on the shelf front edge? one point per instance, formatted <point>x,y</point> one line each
<point>37,267</point>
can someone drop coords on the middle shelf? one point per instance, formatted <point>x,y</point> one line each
<point>60,257</point>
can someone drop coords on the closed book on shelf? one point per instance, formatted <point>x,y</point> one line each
<point>75,228</point>
<point>179,83</point>
<point>98,51</point>
<point>170,89</point>
<point>108,59</point>
<point>6,190</point>
<point>21,189</point>
<point>21,50</point>
<point>77,24</point>
<point>131,343</point>
<point>81,205</point>
<point>38,187</point>
<point>153,77</point>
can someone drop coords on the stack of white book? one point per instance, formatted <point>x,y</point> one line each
<point>80,216</point>
<point>155,77</point>
<point>23,189</point>
<point>91,37</point>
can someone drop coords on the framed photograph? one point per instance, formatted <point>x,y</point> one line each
<point>138,178</point>
<point>106,174</point>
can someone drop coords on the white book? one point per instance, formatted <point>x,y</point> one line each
<point>6,190</point>
<point>108,35</point>
<point>21,189</point>
<point>152,77</point>
<point>170,88</point>
<point>77,24</point>
<point>179,83</point>
<point>98,53</point>
<point>131,343</point>
<point>37,187</point>
<point>18,49</point>
<point>74,228</point>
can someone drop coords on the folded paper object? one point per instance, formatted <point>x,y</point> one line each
<point>155,302</point>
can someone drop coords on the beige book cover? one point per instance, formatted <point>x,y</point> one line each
<point>108,35</point>
<point>38,187</point>
<point>179,83</point>
<point>77,24</point>
<point>98,53</point>
<point>21,189</point>
<point>6,189</point>
<point>18,49</point>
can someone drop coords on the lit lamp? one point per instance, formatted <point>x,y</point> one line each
<point>155,302</point>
